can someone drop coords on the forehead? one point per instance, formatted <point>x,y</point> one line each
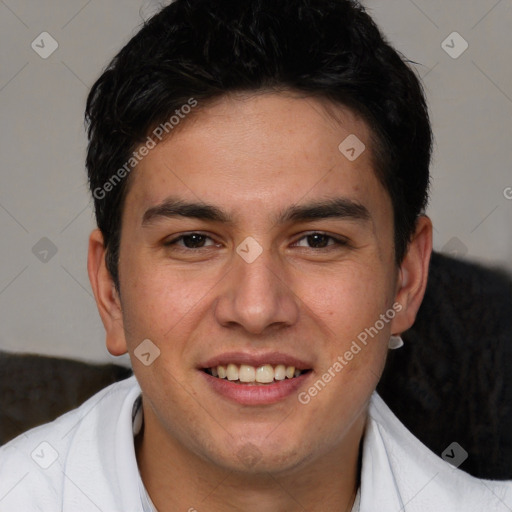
<point>258,152</point>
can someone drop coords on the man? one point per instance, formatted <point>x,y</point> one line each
<point>260,173</point>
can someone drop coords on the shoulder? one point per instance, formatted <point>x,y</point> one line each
<point>420,478</point>
<point>38,467</point>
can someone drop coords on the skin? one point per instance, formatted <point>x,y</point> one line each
<point>253,156</point>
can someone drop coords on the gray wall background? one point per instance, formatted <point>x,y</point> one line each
<point>46,304</point>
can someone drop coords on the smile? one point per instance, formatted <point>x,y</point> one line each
<point>260,375</point>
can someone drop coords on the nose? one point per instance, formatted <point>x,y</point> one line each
<point>257,296</point>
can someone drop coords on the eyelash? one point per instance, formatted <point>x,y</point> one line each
<point>174,241</point>
<point>340,242</point>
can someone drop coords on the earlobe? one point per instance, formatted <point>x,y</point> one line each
<point>106,295</point>
<point>413,275</point>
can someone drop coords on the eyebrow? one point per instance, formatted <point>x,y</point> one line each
<point>338,207</point>
<point>172,207</point>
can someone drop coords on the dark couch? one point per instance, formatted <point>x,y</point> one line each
<point>452,380</point>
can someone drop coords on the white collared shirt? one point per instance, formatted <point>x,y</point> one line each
<point>85,461</point>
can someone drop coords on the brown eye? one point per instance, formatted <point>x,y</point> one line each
<point>191,241</point>
<point>320,241</point>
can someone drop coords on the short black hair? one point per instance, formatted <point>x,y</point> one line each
<point>200,50</point>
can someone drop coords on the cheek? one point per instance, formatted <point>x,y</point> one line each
<point>348,301</point>
<point>156,302</point>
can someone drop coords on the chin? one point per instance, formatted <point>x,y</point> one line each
<point>262,457</point>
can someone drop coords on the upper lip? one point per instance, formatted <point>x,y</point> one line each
<point>256,360</point>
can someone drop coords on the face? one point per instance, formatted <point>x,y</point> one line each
<point>249,239</point>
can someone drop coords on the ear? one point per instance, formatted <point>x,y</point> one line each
<point>106,295</point>
<point>412,276</point>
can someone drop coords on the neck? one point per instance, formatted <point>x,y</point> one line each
<point>177,479</point>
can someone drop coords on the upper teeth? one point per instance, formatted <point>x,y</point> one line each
<point>263,374</point>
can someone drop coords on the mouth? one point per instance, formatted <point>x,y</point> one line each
<point>261,375</point>
<point>255,379</point>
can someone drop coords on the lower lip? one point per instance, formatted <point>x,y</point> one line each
<point>247,394</point>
